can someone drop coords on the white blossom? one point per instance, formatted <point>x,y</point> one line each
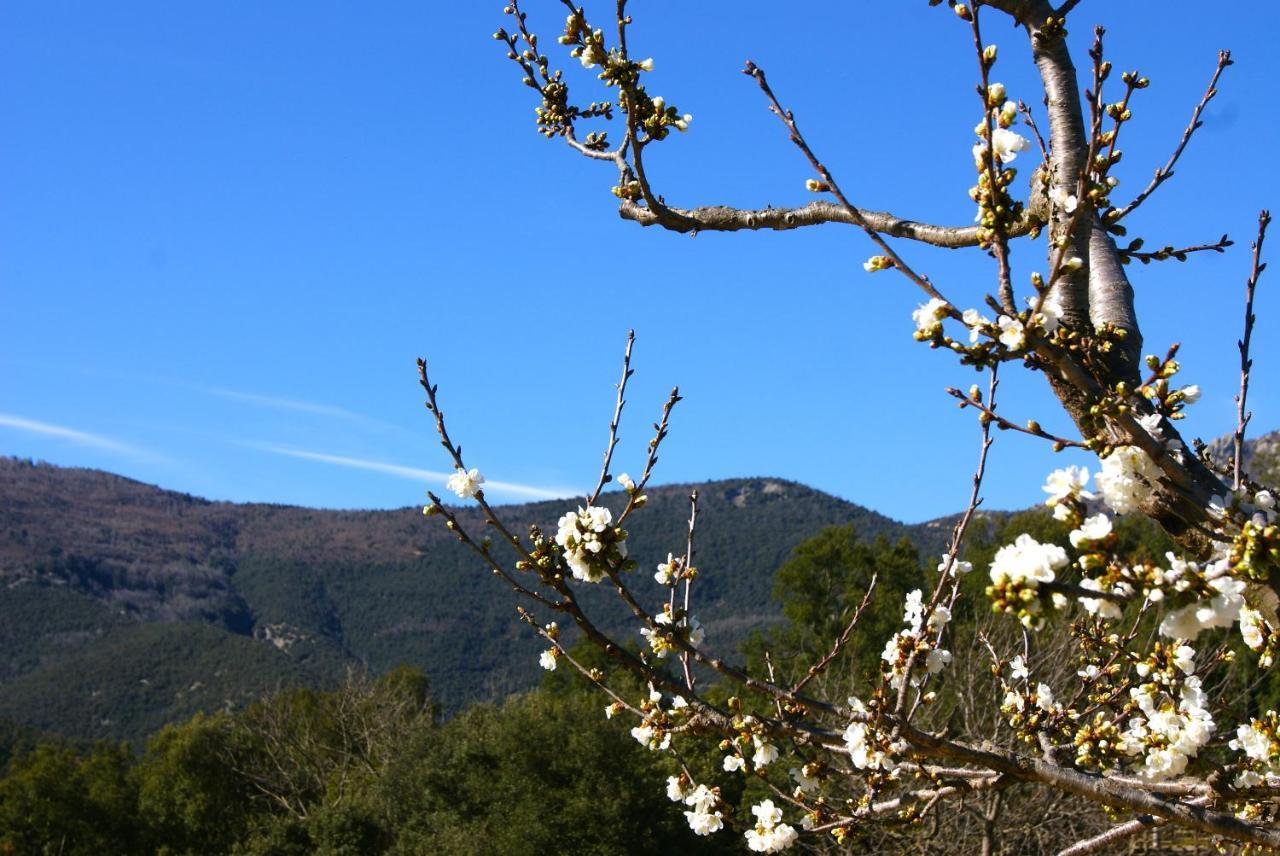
<point>927,315</point>
<point>975,321</point>
<point>1027,561</point>
<point>1006,144</point>
<point>676,791</point>
<point>701,799</point>
<point>734,763</point>
<point>1100,607</point>
<point>584,535</point>
<point>704,822</point>
<point>666,574</point>
<point>766,753</point>
<point>465,483</point>
<point>1126,479</point>
<point>804,782</point>
<point>770,834</point>
<point>1018,668</point>
<point>547,660</point>
<point>1062,199</point>
<point>1067,483</point>
<point>1252,628</point>
<point>1092,530</point>
<point>1012,334</point>
<point>1220,610</point>
<point>954,567</point>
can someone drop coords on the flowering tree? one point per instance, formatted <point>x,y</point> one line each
<point>1132,727</point>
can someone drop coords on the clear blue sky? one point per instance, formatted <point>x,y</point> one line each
<point>228,229</point>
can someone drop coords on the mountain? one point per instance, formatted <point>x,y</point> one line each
<point>124,606</point>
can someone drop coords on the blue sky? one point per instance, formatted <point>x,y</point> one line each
<point>228,229</point>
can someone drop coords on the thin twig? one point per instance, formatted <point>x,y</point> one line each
<point>1032,428</point>
<point>1243,416</point>
<point>1133,251</point>
<point>822,664</point>
<point>1166,172</point>
<point>688,584</point>
<point>1115,834</point>
<point>789,120</point>
<point>617,417</point>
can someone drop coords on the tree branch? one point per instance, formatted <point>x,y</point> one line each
<point>722,218</point>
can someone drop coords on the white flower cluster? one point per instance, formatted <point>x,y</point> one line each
<point>653,731</point>
<point>770,835</point>
<point>951,567</point>
<point>1066,487</point>
<point>918,638</point>
<point>685,626</point>
<point>1220,609</point>
<point>1006,143</point>
<point>547,659</point>
<point>673,570</point>
<point>1063,200</point>
<point>1259,635</point>
<point>1258,741</point>
<point>703,817</point>
<point>1258,509</point>
<point>928,316</point>
<point>1127,477</point>
<point>465,483</point>
<point>1018,570</point>
<point>590,542</point>
<point>1152,423</point>
<point>865,750</point>
<point>1167,734</point>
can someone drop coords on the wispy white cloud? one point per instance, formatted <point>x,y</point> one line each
<point>412,473</point>
<point>71,435</point>
<point>285,403</point>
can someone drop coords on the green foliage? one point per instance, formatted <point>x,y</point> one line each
<point>193,801</point>
<point>821,587</point>
<point>55,801</point>
<point>364,769</point>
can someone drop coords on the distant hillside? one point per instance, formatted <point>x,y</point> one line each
<point>123,606</point>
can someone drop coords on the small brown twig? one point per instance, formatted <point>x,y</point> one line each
<point>788,119</point>
<point>822,664</point>
<point>1035,130</point>
<point>1032,428</point>
<point>621,402</point>
<point>1165,172</point>
<point>1243,416</point>
<point>688,583</point>
<point>1134,251</point>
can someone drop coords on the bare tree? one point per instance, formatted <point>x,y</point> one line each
<point>1111,711</point>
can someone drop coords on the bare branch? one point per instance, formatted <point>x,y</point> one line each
<point>617,417</point>
<point>1165,172</point>
<point>1104,841</point>
<point>721,218</point>
<point>1134,251</point>
<point>1242,416</point>
<point>788,119</point>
